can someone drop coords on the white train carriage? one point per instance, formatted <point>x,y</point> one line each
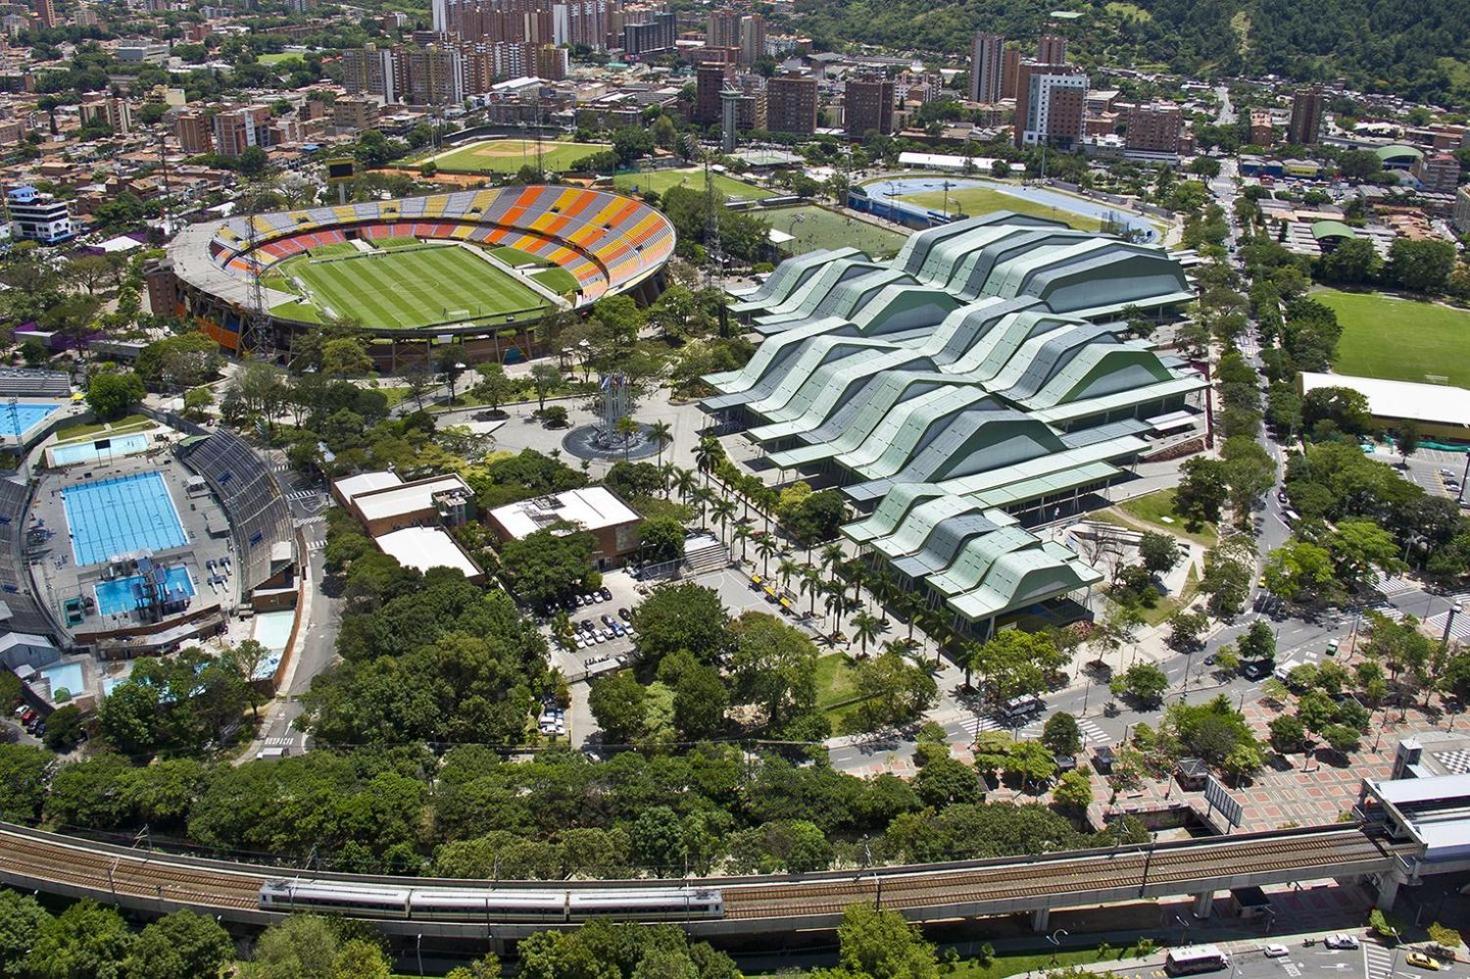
<point>646,904</point>
<point>457,904</point>
<point>327,897</point>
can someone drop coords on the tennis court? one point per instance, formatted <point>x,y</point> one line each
<point>123,515</point>
<point>406,288</point>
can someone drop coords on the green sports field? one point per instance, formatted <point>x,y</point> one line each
<point>816,227</point>
<point>509,155</point>
<point>659,181</point>
<point>1399,339</point>
<point>982,200</point>
<point>403,288</point>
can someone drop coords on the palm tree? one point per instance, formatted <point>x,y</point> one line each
<point>707,455</point>
<point>786,568</point>
<point>684,483</point>
<point>702,498</point>
<point>742,534</point>
<point>833,601</point>
<point>811,584</point>
<point>662,434</point>
<point>866,628</point>
<point>831,554</point>
<point>883,588</point>
<point>666,476</point>
<point>766,547</point>
<point>722,509</point>
<point>855,573</point>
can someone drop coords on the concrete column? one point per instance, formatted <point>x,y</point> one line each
<point>1203,904</point>
<point>1040,918</point>
<point>1388,892</point>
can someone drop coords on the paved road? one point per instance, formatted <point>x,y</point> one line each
<point>1316,961</point>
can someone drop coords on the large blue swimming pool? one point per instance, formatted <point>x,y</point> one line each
<point>16,421</point>
<point>124,515</point>
<point>125,594</point>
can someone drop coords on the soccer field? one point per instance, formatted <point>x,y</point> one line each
<point>659,181</point>
<point>509,155</point>
<point>980,200</point>
<point>816,227</point>
<point>1399,339</point>
<point>404,288</point>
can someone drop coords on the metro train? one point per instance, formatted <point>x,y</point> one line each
<point>481,904</point>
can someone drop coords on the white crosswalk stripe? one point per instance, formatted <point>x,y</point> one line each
<point>1378,961</point>
<point>1093,734</point>
<point>316,545</point>
<point>1391,585</point>
<point>280,467</point>
<point>302,495</point>
<point>1459,629</point>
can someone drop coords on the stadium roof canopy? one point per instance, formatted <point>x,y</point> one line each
<point>981,373</point>
<point>1439,404</point>
<point>1332,229</point>
<point>1398,151</point>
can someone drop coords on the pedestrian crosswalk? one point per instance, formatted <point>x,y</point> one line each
<point>1392,585</point>
<point>316,545</point>
<point>1459,629</point>
<point>280,467</point>
<point>1378,961</point>
<point>1092,733</point>
<point>297,495</point>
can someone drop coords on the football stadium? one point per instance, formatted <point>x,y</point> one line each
<point>964,396</point>
<point>477,265</point>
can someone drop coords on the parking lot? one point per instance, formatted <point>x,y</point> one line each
<point>599,646</point>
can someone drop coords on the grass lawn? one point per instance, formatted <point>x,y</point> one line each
<point>515,257</point>
<point>816,227</point>
<point>659,181</point>
<point>1158,509</point>
<point>836,679</point>
<point>406,288</point>
<point>982,200</point>
<point>1011,965</point>
<point>130,423</point>
<point>1399,339</point>
<point>558,280</point>
<point>333,249</point>
<point>1129,11</point>
<point>277,58</point>
<point>396,241</point>
<point>509,155</point>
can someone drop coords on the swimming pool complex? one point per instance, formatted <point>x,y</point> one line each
<point>65,676</point>
<point>124,515</point>
<point>125,594</point>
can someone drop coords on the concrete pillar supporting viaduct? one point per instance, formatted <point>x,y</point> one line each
<point>1040,918</point>
<point>1203,904</point>
<point>1388,891</point>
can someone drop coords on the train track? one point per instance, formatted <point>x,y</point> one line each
<point>151,880</point>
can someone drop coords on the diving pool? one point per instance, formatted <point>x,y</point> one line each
<point>16,421</point>
<point>65,676</point>
<point>125,594</point>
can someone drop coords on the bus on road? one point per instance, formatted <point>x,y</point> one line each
<point>1195,958</point>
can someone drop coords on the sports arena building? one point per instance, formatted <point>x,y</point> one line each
<point>978,383</point>
<point>602,243</point>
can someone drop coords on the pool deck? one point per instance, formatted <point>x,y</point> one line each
<point>56,576</point>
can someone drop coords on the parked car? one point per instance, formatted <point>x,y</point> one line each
<point>1341,940</point>
<point>608,620</point>
<point>606,593</point>
<point>1421,961</point>
<point>625,615</point>
<point>1276,951</point>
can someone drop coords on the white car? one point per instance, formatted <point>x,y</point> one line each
<point>1276,951</point>
<point>1341,940</point>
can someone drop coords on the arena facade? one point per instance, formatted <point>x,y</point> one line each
<point>602,243</point>
<point>964,395</point>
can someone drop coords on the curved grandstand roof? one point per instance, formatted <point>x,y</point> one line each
<point>1398,151</point>
<point>1332,229</point>
<point>982,368</point>
<point>608,242</point>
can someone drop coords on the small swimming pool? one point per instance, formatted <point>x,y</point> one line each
<point>16,421</point>
<point>126,594</point>
<point>101,450</point>
<point>65,677</point>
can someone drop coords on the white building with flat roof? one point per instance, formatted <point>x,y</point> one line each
<point>594,509</point>
<point>422,548</point>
